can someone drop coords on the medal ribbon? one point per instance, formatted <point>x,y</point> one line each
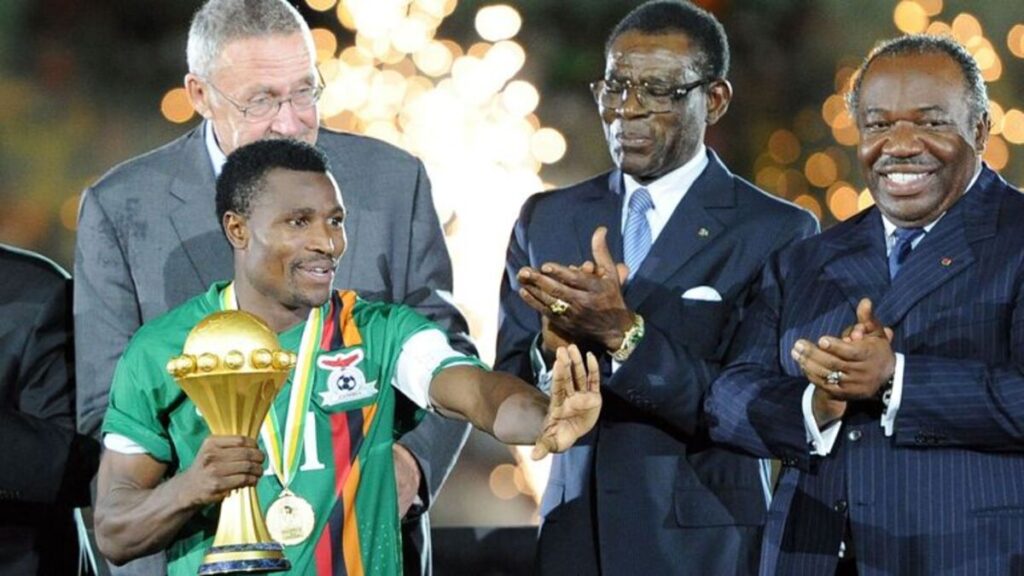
<point>284,456</point>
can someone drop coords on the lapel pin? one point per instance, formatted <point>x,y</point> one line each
<point>946,261</point>
<point>703,232</point>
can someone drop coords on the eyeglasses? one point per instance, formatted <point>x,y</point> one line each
<point>652,97</point>
<point>263,107</point>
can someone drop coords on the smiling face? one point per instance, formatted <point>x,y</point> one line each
<point>288,246</point>
<point>250,69</point>
<point>646,145</point>
<point>919,147</point>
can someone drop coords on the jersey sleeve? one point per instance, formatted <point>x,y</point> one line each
<point>134,410</point>
<point>425,350</point>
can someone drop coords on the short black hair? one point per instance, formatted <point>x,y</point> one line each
<point>245,171</point>
<point>920,44</point>
<point>673,16</point>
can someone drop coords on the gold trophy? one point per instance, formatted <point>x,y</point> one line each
<point>232,367</point>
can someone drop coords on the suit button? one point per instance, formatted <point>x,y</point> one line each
<point>853,435</point>
<point>839,506</point>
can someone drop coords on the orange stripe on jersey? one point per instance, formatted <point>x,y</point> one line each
<point>349,331</point>
<point>350,531</point>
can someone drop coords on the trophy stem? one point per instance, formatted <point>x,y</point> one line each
<point>242,543</point>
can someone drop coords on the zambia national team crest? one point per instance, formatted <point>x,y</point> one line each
<point>346,382</point>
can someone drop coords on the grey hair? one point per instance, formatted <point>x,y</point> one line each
<point>219,22</point>
<point>919,44</point>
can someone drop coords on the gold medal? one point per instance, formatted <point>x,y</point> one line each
<point>290,519</point>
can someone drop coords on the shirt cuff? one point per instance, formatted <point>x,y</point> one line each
<point>820,441</point>
<point>889,416</point>
<point>541,372</point>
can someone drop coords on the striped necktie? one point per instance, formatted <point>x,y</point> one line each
<point>901,249</point>
<point>637,236</point>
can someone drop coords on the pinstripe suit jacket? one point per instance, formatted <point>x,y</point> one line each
<point>945,493</point>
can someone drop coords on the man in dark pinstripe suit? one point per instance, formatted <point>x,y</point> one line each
<point>883,361</point>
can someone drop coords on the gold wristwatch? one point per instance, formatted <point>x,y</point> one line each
<point>630,339</point>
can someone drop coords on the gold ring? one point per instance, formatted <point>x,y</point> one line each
<point>558,307</point>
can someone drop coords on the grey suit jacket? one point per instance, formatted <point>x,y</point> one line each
<point>149,239</point>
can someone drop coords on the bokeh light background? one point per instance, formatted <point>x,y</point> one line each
<point>493,97</point>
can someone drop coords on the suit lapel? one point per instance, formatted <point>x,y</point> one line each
<point>191,211</point>
<point>601,208</point>
<point>858,266</point>
<point>945,251</point>
<point>701,216</point>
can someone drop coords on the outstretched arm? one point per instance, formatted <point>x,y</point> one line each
<point>517,413</point>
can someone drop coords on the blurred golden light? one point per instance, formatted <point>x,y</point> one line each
<point>938,28</point>
<point>966,27</point>
<point>449,6</point>
<point>522,484</point>
<point>345,16</point>
<point>355,56</point>
<point>69,212</point>
<point>841,159</point>
<point>834,106</point>
<point>843,78</point>
<point>411,35</point>
<point>809,202</point>
<point>329,69</point>
<point>784,146</point>
<point>454,48</point>
<point>1013,126</point>
<point>321,5</point>
<point>478,50</point>
<point>997,153</point>
<point>931,7</point>
<point>176,107</point>
<point>376,18</point>
<point>986,57</point>
<point>993,72</point>
<point>820,169</point>
<point>844,130</point>
<point>865,200</point>
<point>768,178</point>
<point>995,115</point>
<point>791,183</point>
<point>433,7</point>
<point>842,200</point>
<point>326,43</point>
<point>498,22</point>
<point>505,58</point>
<point>520,98</point>
<point>910,17</point>
<point>434,59</point>
<point>1015,40</point>
<point>547,145</point>
<point>502,481</point>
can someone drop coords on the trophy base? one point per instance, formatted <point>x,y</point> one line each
<point>233,558</point>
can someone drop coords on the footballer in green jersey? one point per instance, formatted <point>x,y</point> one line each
<point>163,474</point>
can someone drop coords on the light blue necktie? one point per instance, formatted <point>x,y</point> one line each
<point>901,249</point>
<point>637,236</point>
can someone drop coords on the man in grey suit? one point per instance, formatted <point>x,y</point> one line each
<point>148,238</point>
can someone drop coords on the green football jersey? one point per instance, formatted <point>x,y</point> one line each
<point>345,469</point>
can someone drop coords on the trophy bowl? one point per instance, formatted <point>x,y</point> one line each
<point>232,368</point>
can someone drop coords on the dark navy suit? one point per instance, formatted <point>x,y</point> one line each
<point>645,492</point>
<point>945,493</point>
